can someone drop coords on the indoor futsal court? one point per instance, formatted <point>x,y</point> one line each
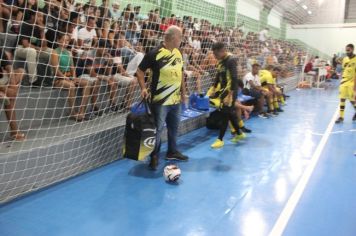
<point>177,117</point>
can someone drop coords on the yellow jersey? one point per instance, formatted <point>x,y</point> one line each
<point>266,78</point>
<point>349,71</point>
<point>167,74</point>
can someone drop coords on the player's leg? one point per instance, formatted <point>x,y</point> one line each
<point>343,95</point>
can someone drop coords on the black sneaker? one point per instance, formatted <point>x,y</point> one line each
<point>246,130</point>
<point>272,113</point>
<point>176,156</point>
<point>340,120</point>
<point>153,163</point>
<point>279,110</point>
<point>354,118</point>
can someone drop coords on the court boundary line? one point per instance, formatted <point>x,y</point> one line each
<point>288,210</point>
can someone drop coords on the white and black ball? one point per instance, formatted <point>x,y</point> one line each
<point>171,173</point>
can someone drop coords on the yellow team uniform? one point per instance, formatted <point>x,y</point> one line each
<point>346,90</point>
<point>266,78</point>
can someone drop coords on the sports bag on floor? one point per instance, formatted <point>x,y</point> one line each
<point>140,134</point>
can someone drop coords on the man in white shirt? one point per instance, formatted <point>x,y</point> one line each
<point>254,89</point>
<point>87,36</point>
<point>196,24</point>
<point>263,35</point>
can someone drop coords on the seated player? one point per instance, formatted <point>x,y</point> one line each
<point>241,109</point>
<point>268,81</point>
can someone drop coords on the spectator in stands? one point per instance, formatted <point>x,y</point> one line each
<point>334,61</point>
<point>131,34</point>
<point>167,91</point>
<point>9,83</point>
<point>65,77</point>
<point>100,66</point>
<point>87,36</point>
<point>103,32</point>
<point>104,9</point>
<point>172,20</point>
<point>25,8</point>
<point>32,44</point>
<point>115,10</point>
<point>196,44</point>
<point>190,71</point>
<point>126,18</point>
<point>56,16</point>
<point>196,24</point>
<point>163,26</point>
<point>263,35</point>
<point>209,62</point>
<point>9,10</point>
<point>147,41</point>
<point>254,89</point>
<point>138,16</point>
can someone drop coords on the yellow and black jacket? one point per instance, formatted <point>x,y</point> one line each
<point>167,71</point>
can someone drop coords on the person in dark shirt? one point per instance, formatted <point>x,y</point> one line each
<point>32,44</point>
<point>225,88</point>
<point>9,84</point>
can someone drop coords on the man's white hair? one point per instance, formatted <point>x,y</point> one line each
<point>171,32</point>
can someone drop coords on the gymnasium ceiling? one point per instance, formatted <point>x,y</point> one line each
<point>309,11</point>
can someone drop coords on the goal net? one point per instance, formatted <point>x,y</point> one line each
<point>68,74</point>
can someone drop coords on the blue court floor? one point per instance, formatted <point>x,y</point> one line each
<point>238,190</point>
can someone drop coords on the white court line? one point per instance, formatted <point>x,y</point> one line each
<point>293,200</point>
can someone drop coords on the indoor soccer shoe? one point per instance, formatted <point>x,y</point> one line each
<point>246,130</point>
<point>217,144</point>
<point>238,137</point>
<point>340,120</point>
<point>176,156</point>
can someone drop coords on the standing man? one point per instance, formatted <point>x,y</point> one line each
<point>167,91</point>
<point>348,83</point>
<point>225,87</point>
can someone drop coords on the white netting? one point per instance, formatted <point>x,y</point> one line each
<point>68,70</point>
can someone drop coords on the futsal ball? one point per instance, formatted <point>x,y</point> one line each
<point>171,173</point>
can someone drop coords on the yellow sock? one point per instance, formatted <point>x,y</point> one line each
<point>342,109</point>
<point>241,124</point>
<point>275,103</point>
<point>281,98</point>
<point>270,104</point>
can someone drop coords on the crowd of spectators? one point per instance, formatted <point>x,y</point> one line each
<point>87,45</point>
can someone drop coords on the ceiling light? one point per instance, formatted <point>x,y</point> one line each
<point>297,0</point>
<point>309,12</point>
<point>305,7</point>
